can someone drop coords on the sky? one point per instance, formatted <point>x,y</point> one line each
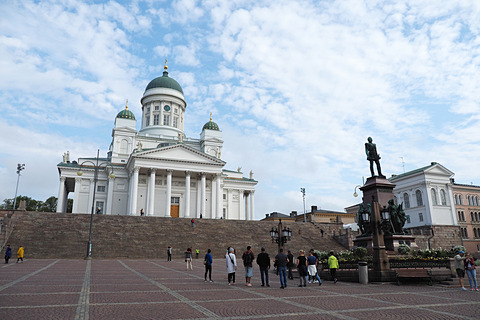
<point>296,87</point>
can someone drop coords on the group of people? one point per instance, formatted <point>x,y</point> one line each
<point>284,263</point>
<point>8,254</point>
<point>464,263</point>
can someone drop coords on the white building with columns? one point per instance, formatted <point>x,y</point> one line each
<point>158,169</point>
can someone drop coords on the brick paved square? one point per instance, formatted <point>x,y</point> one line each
<point>145,311</point>
<point>36,313</point>
<point>130,297</point>
<point>38,299</point>
<point>401,314</point>
<point>339,302</point>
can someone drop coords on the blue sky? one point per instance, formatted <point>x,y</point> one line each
<point>295,86</point>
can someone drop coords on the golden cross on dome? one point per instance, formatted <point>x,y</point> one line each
<point>126,105</point>
<point>210,116</point>
<point>165,65</point>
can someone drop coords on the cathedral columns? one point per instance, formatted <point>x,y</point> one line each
<point>241,201</point>
<point>247,209</point>
<point>61,196</point>
<point>168,194</point>
<point>229,212</point>
<point>202,194</point>
<point>109,207</point>
<point>76,195</point>
<point>219,194</point>
<point>187,195</point>
<point>91,194</point>
<point>151,194</point>
<point>134,184</point>
<point>252,208</point>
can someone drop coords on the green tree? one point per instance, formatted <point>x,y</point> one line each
<point>49,205</point>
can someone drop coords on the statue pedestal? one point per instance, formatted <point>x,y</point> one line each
<point>392,242</point>
<point>377,189</point>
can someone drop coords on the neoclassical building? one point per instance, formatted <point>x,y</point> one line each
<point>158,169</point>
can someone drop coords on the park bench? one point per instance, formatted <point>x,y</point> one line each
<point>413,274</point>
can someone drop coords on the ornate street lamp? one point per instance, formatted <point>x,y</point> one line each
<point>355,194</point>
<point>95,178</point>
<point>280,236</point>
<point>20,167</point>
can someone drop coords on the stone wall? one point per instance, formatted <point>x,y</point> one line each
<point>440,236</point>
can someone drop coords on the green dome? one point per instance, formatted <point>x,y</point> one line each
<point>210,125</point>
<point>126,114</point>
<point>164,82</point>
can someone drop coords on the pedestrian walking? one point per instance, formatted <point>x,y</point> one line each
<point>333,266</point>
<point>20,254</point>
<point>197,252</point>
<point>263,261</point>
<point>142,213</point>
<point>188,258</point>
<point>281,259</point>
<point>169,253</point>
<point>459,264</point>
<point>302,268</point>
<point>231,261</point>
<point>8,253</point>
<point>471,272</point>
<point>248,257</point>
<point>312,262</point>
<point>192,222</point>
<point>290,264</point>
<point>208,265</point>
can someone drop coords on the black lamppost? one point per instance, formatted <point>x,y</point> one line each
<point>302,190</point>
<point>95,178</point>
<point>20,167</point>
<point>280,236</point>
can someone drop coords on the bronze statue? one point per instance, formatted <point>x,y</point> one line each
<point>397,217</point>
<point>373,156</point>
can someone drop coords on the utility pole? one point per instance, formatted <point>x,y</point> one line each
<point>20,167</point>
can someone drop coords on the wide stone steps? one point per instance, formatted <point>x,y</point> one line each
<point>60,235</point>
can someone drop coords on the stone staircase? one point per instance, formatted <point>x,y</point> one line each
<point>60,235</point>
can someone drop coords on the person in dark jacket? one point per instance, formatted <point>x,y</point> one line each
<point>8,253</point>
<point>290,265</point>
<point>208,265</point>
<point>263,261</point>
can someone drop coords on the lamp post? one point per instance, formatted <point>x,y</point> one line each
<point>20,167</point>
<point>302,190</point>
<point>280,236</point>
<point>95,178</point>
<point>355,194</point>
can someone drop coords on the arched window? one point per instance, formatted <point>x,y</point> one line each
<point>475,232</point>
<point>124,146</point>
<point>456,199</point>
<point>406,200</point>
<point>418,194</point>
<point>443,197</point>
<point>472,218</point>
<point>476,216</point>
<point>434,197</point>
<point>476,201</point>
<point>469,201</point>
<point>460,201</point>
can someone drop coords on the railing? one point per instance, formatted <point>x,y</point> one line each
<point>397,264</point>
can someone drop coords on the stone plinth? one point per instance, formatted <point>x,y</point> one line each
<point>377,189</point>
<point>392,242</point>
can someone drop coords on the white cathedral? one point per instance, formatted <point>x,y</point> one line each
<point>158,169</point>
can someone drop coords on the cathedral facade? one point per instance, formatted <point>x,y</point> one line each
<point>158,171</point>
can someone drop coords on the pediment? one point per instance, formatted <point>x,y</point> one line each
<point>180,153</point>
<point>438,169</point>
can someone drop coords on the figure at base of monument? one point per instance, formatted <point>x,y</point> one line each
<point>373,156</point>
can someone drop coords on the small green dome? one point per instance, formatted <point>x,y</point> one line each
<point>210,125</point>
<point>164,82</point>
<point>126,114</point>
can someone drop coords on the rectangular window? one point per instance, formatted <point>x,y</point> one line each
<point>224,196</point>
<point>175,122</point>
<point>100,188</point>
<point>147,121</point>
<point>408,218</point>
<point>175,200</point>
<point>166,119</point>
<point>175,110</point>
<point>157,108</point>
<point>420,217</point>
<point>148,109</point>
<point>156,119</point>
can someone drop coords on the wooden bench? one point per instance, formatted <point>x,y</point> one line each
<point>413,274</point>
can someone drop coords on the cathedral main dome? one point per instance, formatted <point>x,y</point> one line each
<point>164,82</point>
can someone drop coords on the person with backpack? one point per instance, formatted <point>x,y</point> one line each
<point>312,262</point>
<point>248,258</point>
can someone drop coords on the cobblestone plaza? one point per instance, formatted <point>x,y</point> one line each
<point>156,289</point>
